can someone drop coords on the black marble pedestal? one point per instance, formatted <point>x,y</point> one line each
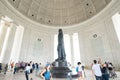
<point>60,69</point>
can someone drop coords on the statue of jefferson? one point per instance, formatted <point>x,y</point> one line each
<point>60,47</point>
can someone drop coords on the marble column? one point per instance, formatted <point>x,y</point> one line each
<point>3,30</point>
<point>9,43</point>
<point>15,53</point>
<point>72,52</point>
<point>2,37</point>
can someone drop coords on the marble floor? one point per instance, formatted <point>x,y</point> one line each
<point>21,76</point>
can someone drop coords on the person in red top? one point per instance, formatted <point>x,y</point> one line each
<point>12,65</point>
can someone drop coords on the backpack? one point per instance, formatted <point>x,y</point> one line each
<point>77,69</point>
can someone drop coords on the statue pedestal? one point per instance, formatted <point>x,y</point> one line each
<point>60,69</point>
<point>60,63</point>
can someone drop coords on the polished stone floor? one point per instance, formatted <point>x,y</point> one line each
<point>21,76</point>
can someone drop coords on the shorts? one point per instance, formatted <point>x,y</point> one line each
<point>80,73</point>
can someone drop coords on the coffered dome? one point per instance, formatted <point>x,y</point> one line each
<point>59,12</point>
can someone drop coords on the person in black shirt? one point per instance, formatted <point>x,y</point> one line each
<point>105,75</point>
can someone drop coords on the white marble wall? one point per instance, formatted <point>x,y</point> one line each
<point>104,46</point>
<point>36,46</point>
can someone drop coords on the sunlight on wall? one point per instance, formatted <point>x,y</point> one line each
<point>116,22</point>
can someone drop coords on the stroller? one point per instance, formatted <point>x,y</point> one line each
<point>112,73</point>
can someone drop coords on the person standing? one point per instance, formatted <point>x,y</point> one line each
<point>105,75</point>
<point>6,68</point>
<point>12,66</point>
<point>0,67</point>
<point>15,68</point>
<point>36,68</point>
<point>79,71</point>
<point>96,70</point>
<point>27,71</point>
<point>83,70</point>
<point>46,74</point>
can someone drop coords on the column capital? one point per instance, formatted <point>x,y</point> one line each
<point>8,24</point>
<point>1,15</point>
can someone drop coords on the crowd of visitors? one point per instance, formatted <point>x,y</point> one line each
<point>103,71</point>
<point>100,71</point>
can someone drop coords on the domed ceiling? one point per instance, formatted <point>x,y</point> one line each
<point>59,12</point>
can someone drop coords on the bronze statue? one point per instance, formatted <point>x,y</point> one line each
<point>60,68</point>
<point>60,47</point>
